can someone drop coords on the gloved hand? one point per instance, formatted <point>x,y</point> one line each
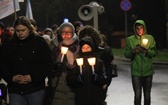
<point>137,49</point>
<point>94,77</point>
<point>80,78</point>
<point>144,50</point>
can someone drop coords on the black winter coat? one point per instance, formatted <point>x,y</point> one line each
<point>30,56</point>
<point>87,89</point>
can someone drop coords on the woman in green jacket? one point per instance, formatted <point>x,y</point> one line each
<point>141,48</point>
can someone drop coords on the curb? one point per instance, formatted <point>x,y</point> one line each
<point>122,59</point>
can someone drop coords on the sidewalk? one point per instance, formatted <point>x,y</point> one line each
<point>122,60</point>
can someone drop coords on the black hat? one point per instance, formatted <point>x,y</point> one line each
<point>87,40</point>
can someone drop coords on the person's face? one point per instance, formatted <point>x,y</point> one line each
<point>86,48</point>
<point>22,32</point>
<point>140,30</point>
<point>11,29</point>
<point>1,30</point>
<point>66,33</point>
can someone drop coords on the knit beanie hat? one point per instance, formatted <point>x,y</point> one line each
<point>66,24</point>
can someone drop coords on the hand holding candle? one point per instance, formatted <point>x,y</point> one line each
<point>80,63</point>
<point>92,62</point>
<point>63,51</point>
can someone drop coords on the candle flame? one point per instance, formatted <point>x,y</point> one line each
<point>79,61</point>
<point>92,61</point>
<point>144,42</point>
<point>64,50</point>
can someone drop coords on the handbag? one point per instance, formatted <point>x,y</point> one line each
<point>114,70</point>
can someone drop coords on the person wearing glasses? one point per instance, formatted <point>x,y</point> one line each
<point>63,94</point>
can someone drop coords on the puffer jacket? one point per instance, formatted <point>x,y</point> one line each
<point>141,64</point>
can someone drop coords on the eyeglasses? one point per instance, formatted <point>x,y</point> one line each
<point>66,32</point>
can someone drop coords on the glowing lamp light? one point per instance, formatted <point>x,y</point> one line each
<point>66,20</point>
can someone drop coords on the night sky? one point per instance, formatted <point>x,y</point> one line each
<point>153,12</point>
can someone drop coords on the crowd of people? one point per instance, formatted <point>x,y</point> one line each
<point>69,64</point>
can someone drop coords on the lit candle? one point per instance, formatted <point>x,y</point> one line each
<point>80,63</point>
<point>144,42</point>
<point>92,62</point>
<point>63,51</point>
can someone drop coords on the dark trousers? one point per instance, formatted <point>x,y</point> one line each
<point>35,98</point>
<point>140,83</point>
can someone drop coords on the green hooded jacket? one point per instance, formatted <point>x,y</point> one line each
<point>141,64</point>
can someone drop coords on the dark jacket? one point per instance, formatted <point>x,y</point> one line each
<point>106,55</point>
<point>88,87</point>
<point>30,56</point>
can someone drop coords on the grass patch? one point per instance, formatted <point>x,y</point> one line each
<point>161,56</point>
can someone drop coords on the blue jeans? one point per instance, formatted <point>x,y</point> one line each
<point>140,83</point>
<point>35,98</point>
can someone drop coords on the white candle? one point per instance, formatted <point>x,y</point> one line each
<point>63,51</point>
<point>92,62</point>
<point>80,63</point>
<point>144,42</point>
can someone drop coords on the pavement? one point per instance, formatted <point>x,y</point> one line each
<point>120,91</point>
<point>118,59</point>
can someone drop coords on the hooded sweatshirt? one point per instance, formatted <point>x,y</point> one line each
<point>141,64</point>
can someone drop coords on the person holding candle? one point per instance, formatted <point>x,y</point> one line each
<point>64,56</point>
<point>102,50</point>
<point>141,48</point>
<point>88,78</point>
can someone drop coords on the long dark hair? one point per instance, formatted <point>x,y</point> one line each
<point>23,20</point>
